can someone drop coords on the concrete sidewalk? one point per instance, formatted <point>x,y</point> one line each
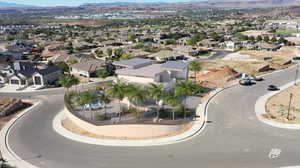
<point>260,108</point>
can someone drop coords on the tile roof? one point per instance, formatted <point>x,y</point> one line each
<point>89,65</point>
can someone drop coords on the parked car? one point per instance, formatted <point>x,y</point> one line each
<point>245,82</point>
<point>273,88</point>
<point>94,106</point>
<point>258,78</point>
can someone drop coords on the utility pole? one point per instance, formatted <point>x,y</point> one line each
<point>288,115</point>
<point>296,75</point>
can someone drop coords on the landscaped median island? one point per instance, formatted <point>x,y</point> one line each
<point>283,107</point>
<point>121,110</point>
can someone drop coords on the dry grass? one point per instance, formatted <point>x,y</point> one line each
<point>69,125</point>
<point>277,106</point>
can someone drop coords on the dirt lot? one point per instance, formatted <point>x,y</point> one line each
<point>250,61</point>
<point>243,66</point>
<point>256,33</point>
<point>277,106</point>
<point>4,101</point>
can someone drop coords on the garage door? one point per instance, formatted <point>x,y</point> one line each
<point>37,80</point>
<point>14,82</point>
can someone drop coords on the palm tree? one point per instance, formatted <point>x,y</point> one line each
<point>184,89</point>
<point>118,90</point>
<point>105,99</point>
<point>87,98</point>
<point>158,93</point>
<point>195,66</point>
<point>136,95</point>
<point>173,101</point>
<point>67,81</point>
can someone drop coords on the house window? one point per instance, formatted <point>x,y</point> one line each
<point>23,82</point>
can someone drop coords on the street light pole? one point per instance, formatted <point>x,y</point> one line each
<point>288,115</point>
<point>296,75</point>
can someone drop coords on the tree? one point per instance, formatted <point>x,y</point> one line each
<point>109,52</point>
<point>196,38</point>
<point>136,95</point>
<point>118,90</point>
<point>102,73</point>
<point>64,67</point>
<point>67,81</point>
<point>119,52</point>
<point>173,101</point>
<point>195,66</point>
<point>274,39</point>
<point>281,40</point>
<point>266,39</point>
<point>184,89</point>
<point>125,56</point>
<point>87,98</point>
<point>105,99</point>
<point>158,93</point>
<point>252,38</point>
<point>170,41</point>
<point>259,38</point>
<point>131,36</point>
<point>72,61</point>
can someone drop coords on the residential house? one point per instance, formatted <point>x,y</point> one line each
<point>143,71</point>
<point>232,45</point>
<point>46,75</point>
<point>3,47</point>
<point>166,55</point>
<point>24,74</point>
<point>208,43</point>
<point>87,67</point>
<point>267,46</point>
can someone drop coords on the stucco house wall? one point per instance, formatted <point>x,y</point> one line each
<point>135,79</point>
<point>80,72</point>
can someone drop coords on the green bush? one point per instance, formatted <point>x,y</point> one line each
<point>100,117</point>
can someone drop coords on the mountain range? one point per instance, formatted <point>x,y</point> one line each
<point>14,5</point>
<point>217,3</point>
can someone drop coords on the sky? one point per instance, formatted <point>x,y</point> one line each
<point>78,2</point>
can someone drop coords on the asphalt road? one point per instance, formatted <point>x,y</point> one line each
<point>233,138</point>
<point>219,54</point>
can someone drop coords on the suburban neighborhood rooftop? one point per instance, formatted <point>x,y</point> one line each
<point>133,63</point>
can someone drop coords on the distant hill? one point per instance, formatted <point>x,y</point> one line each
<point>124,3</point>
<point>14,5</point>
<point>253,3</point>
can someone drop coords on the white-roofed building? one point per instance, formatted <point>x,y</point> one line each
<point>143,71</point>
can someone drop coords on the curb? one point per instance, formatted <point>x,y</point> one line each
<point>7,153</point>
<point>196,129</point>
<point>260,108</point>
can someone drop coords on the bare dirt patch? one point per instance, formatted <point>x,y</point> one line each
<point>277,106</point>
<point>5,102</point>
<point>69,125</point>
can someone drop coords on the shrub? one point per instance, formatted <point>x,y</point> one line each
<point>100,117</point>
